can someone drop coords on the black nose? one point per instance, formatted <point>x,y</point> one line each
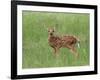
<point>51,33</point>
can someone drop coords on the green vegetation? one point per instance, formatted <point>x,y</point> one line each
<point>36,51</point>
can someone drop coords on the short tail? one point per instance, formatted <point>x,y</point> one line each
<point>78,41</point>
<point>78,44</point>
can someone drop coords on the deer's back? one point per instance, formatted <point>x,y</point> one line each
<point>68,40</point>
<point>64,41</point>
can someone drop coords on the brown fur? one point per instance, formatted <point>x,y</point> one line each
<point>57,42</point>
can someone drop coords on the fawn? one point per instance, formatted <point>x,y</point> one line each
<point>67,41</point>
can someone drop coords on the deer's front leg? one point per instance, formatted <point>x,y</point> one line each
<point>56,51</point>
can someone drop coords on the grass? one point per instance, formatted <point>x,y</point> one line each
<point>36,51</point>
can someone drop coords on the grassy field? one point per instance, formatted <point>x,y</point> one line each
<point>36,51</point>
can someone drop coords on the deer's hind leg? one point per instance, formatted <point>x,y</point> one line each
<point>73,50</point>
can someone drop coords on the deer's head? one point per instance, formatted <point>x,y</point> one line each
<point>51,31</point>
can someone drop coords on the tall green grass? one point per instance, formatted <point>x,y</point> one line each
<point>36,51</point>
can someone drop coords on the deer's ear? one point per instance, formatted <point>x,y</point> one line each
<point>54,28</point>
<point>47,29</point>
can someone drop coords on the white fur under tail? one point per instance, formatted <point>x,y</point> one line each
<point>78,44</point>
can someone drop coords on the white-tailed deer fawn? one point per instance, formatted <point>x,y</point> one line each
<point>66,41</point>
